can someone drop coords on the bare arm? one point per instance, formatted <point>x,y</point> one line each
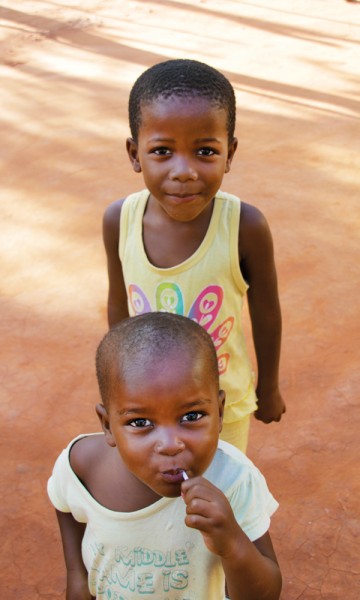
<point>251,568</point>
<point>259,577</point>
<point>258,267</point>
<point>72,534</point>
<point>117,300</point>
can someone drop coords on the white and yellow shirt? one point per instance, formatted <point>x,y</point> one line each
<point>151,552</point>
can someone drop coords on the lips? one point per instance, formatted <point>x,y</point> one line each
<point>186,195</point>
<point>183,195</point>
<point>173,476</point>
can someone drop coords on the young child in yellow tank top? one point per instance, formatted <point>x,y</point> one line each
<point>184,246</point>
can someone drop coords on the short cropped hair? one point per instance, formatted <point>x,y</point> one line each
<point>143,338</point>
<point>186,79</point>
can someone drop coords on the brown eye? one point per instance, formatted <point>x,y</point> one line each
<point>140,423</point>
<point>161,151</point>
<point>206,152</point>
<point>192,416</point>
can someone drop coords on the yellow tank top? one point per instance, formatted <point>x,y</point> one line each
<point>208,287</point>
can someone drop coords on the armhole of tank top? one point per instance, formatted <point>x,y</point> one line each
<point>234,246</point>
<point>127,215</point>
<point>123,226</point>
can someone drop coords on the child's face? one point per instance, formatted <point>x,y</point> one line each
<point>183,152</point>
<point>166,418</point>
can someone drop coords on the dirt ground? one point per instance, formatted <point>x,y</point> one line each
<point>67,67</point>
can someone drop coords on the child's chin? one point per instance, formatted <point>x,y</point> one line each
<point>174,494</point>
<point>169,492</point>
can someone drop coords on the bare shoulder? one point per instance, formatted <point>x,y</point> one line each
<point>112,214</point>
<point>111,226</point>
<point>251,217</point>
<point>254,229</point>
<point>85,452</point>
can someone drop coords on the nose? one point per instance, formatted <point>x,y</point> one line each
<point>182,170</point>
<point>168,442</point>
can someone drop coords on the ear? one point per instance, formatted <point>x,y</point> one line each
<point>105,424</point>
<point>132,150</point>
<point>231,151</point>
<point>222,397</point>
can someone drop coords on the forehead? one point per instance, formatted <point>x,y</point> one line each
<point>171,363</point>
<point>172,370</point>
<point>179,109</point>
<point>165,392</point>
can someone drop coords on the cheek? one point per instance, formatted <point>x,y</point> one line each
<point>133,450</point>
<point>204,447</point>
<point>214,174</point>
<point>152,176</point>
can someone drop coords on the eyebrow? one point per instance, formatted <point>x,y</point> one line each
<point>186,406</point>
<point>161,139</point>
<point>209,139</point>
<point>197,141</point>
<point>131,411</point>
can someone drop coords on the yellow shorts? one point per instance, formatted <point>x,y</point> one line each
<point>237,433</point>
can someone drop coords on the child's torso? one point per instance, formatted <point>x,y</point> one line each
<point>168,242</point>
<point>207,286</point>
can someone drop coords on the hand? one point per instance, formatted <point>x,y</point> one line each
<point>271,407</point>
<point>250,568</point>
<point>77,586</point>
<point>209,511</point>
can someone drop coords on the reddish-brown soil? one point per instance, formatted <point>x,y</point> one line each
<point>66,72</point>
